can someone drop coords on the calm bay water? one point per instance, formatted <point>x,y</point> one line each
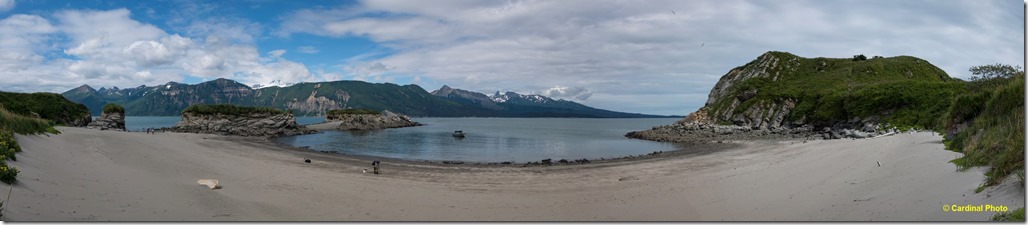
<point>493,139</point>
<point>140,123</point>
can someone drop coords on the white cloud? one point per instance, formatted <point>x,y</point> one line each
<point>20,36</point>
<point>115,25</point>
<point>109,48</point>
<point>307,49</point>
<point>578,93</point>
<point>6,5</point>
<point>621,51</point>
<point>277,53</point>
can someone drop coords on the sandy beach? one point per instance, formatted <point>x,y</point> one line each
<point>92,175</point>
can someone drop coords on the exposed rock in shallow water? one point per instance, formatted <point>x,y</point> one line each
<point>383,120</point>
<point>255,124</point>
<point>109,121</point>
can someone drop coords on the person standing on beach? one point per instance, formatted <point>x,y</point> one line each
<point>375,165</point>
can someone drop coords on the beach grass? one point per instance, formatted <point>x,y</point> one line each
<point>10,124</point>
<point>994,135</point>
<point>23,124</point>
<point>1016,215</point>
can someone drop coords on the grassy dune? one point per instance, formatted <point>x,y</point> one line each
<point>994,135</point>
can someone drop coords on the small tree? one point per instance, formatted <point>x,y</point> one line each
<point>990,76</point>
<point>988,72</point>
<point>860,57</point>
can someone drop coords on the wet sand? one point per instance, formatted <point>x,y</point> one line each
<point>92,175</point>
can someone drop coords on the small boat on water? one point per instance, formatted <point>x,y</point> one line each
<point>458,134</point>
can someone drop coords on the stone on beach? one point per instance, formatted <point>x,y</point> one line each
<point>210,183</point>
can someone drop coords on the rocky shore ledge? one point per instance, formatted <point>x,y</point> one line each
<point>696,128</point>
<point>246,124</point>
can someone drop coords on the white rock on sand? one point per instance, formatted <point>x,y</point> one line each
<point>89,175</point>
<point>210,183</point>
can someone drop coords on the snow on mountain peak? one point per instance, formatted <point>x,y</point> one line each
<point>273,83</point>
<point>507,96</point>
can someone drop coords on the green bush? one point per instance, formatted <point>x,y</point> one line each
<point>8,174</point>
<point>230,110</point>
<point>113,108</point>
<point>8,145</point>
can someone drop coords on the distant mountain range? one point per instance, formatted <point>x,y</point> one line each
<point>314,99</point>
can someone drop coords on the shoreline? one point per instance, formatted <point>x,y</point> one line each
<point>129,176</point>
<point>692,149</point>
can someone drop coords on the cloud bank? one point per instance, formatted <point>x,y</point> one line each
<point>630,53</point>
<point>659,57</point>
<point>108,48</point>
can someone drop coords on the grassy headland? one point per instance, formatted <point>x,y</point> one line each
<point>902,90</point>
<point>982,118</point>
<point>48,106</point>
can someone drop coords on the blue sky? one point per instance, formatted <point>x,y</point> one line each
<point>618,55</point>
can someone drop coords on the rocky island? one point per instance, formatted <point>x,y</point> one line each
<point>112,118</point>
<point>362,119</point>
<point>238,121</point>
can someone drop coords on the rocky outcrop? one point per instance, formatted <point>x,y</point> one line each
<point>385,119</point>
<point>109,121</point>
<point>703,132</point>
<point>81,121</point>
<point>254,124</point>
<point>764,114</point>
